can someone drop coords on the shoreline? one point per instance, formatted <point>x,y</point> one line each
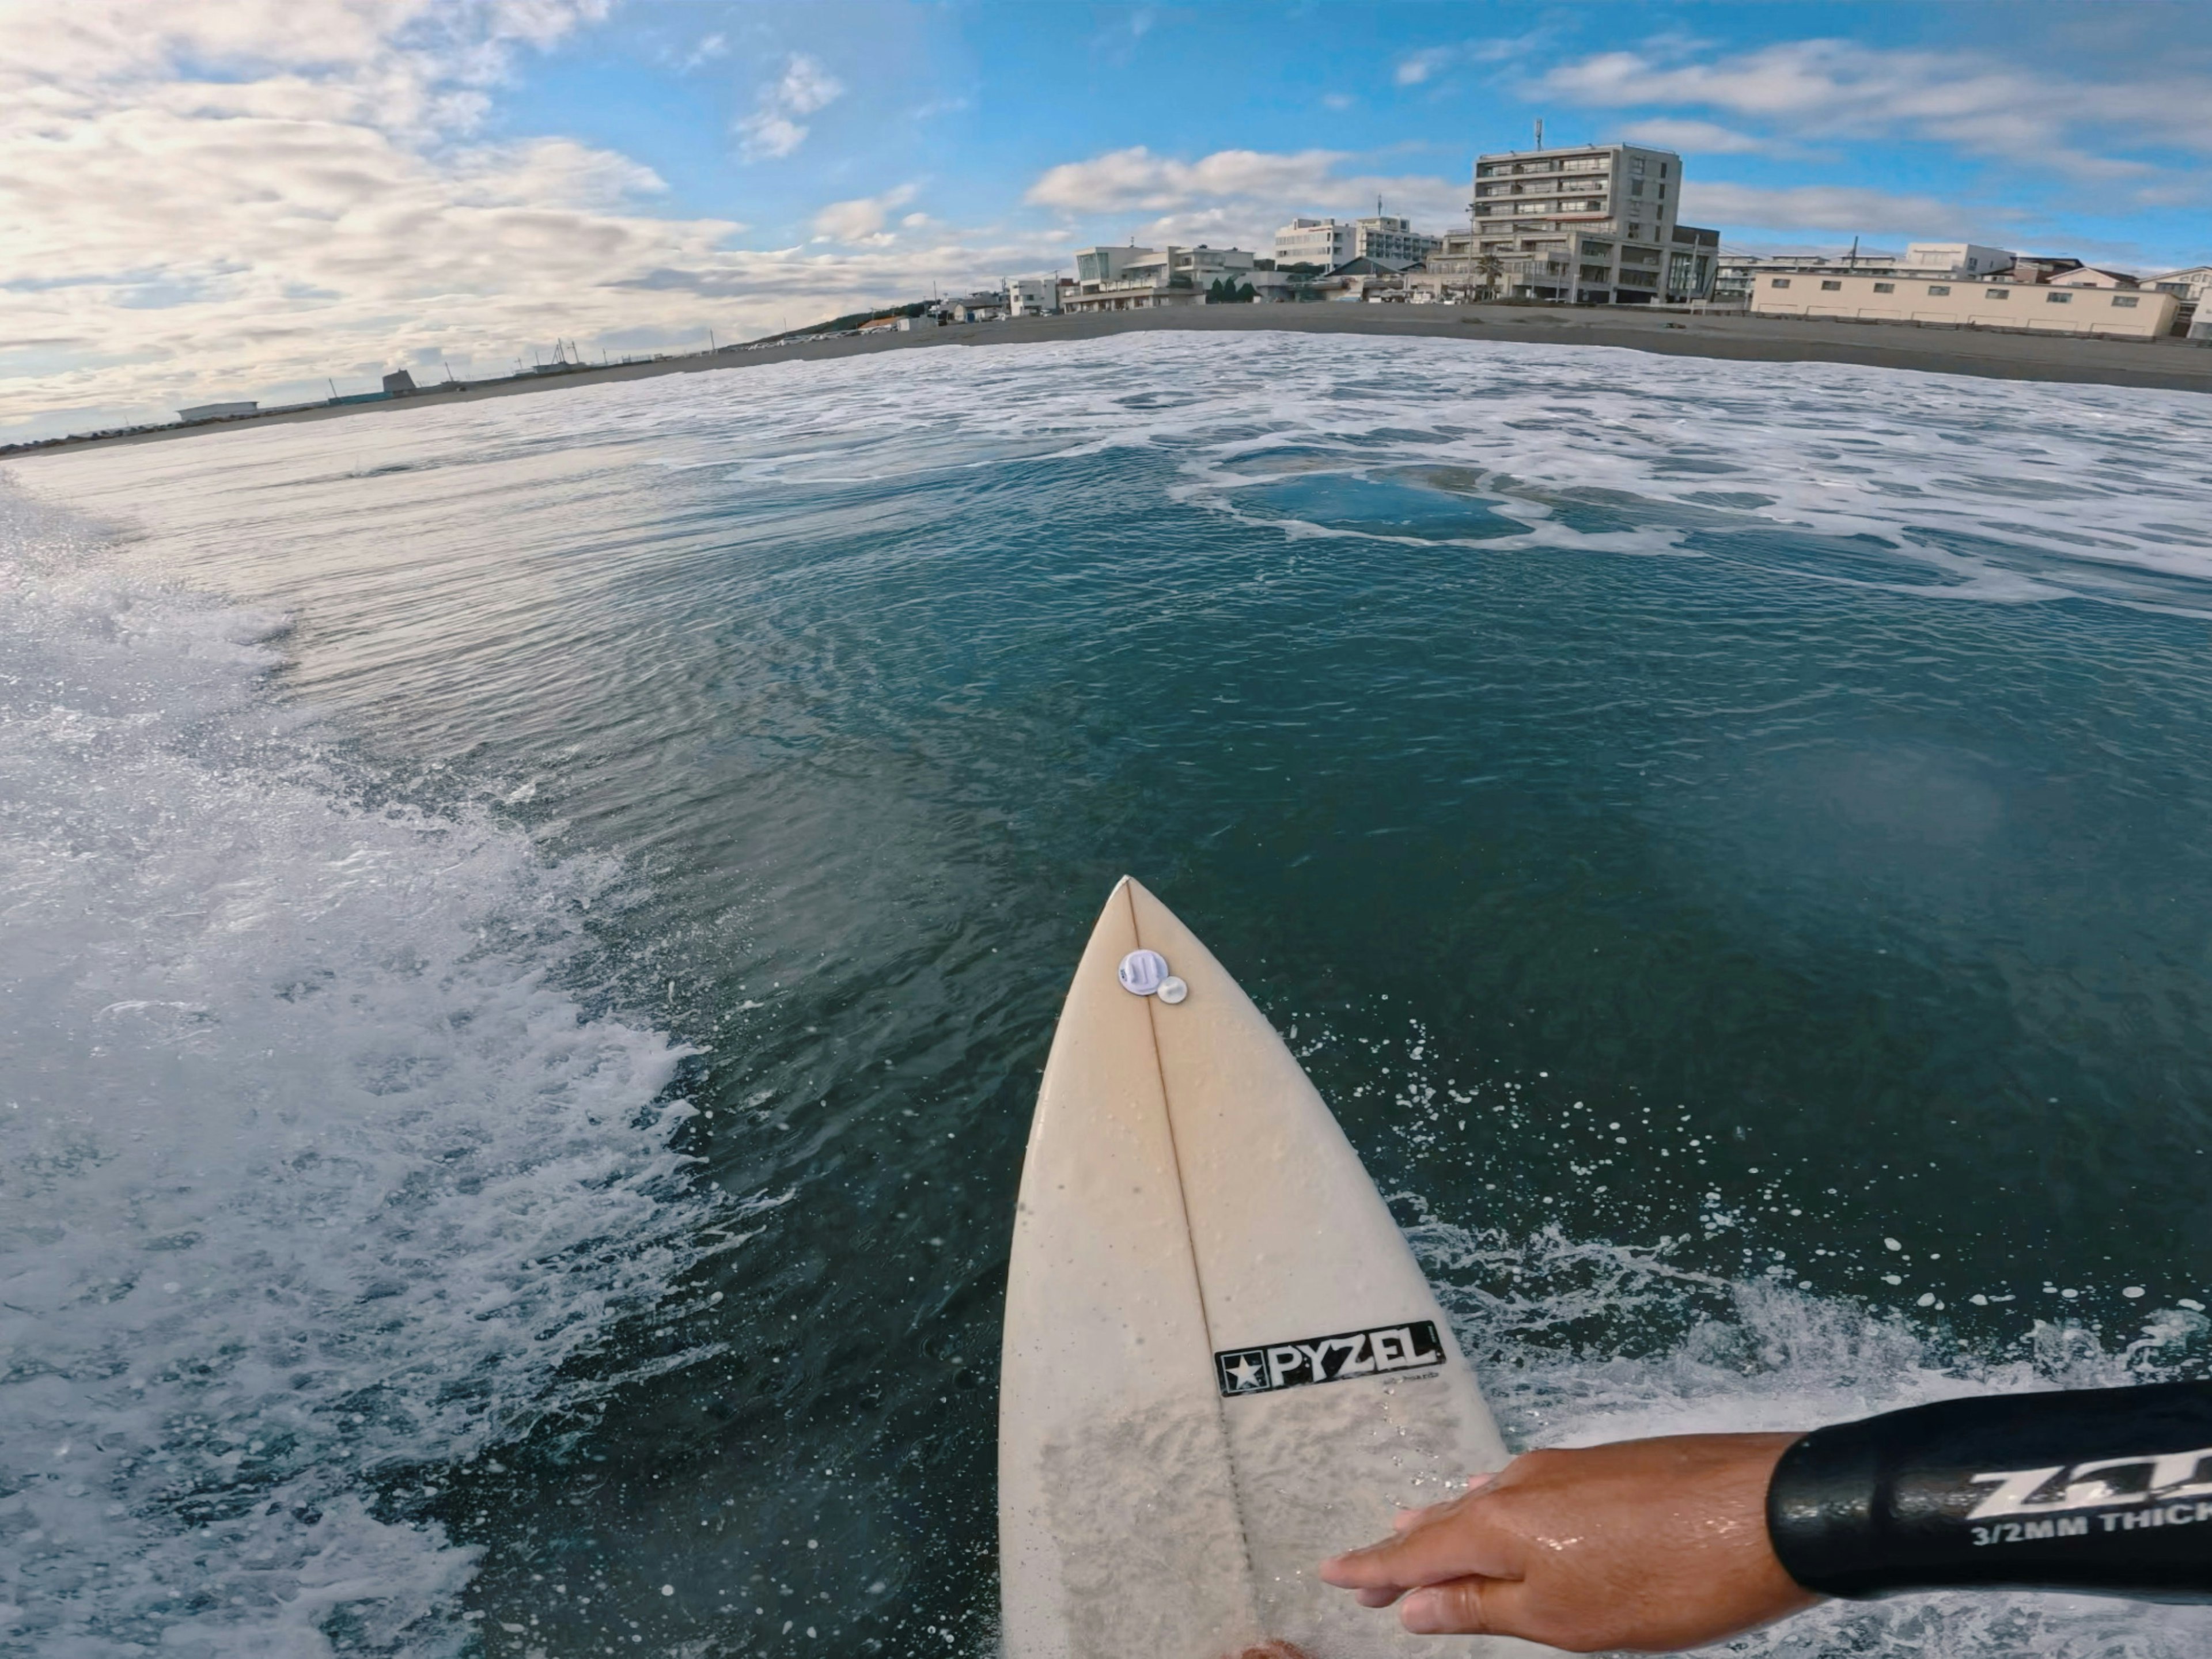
<point>2170,365</point>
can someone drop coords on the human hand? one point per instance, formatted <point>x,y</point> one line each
<point>1647,1545</point>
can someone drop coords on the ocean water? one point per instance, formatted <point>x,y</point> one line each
<point>528,933</point>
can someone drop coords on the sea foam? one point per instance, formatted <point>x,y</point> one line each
<point>312,1174</point>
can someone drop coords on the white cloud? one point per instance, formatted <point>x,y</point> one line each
<point>775,129</point>
<point>1136,177</point>
<point>1823,207</point>
<point>240,196</point>
<point>1237,197</point>
<point>1976,103</point>
<point>1702,137</point>
<point>1417,67</point>
<point>707,50</point>
<point>864,219</point>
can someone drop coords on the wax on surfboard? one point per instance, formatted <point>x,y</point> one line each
<point>1221,1362</point>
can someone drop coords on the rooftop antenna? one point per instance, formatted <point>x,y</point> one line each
<point>1855,252</point>
<point>333,385</point>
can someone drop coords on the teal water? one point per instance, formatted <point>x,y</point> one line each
<point>1729,839</point>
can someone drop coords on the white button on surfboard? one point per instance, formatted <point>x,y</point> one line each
<point>1143,972</point>
<point>1172,990</point>
<point>1221,1362</point>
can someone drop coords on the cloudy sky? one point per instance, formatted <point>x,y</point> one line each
<point>204,198</point>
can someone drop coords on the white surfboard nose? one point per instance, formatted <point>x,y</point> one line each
<point>1221,1362</point>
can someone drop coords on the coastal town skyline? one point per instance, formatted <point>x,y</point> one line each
<point>258,202</point>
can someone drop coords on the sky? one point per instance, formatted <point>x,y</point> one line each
<point>273,199</point>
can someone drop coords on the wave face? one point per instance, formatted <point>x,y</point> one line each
<point>312,1177</point>
<point>1726,839</point>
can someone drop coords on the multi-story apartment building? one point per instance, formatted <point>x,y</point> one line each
<point>1330,243</point>
<point>1592,223</point>
<point>1138,278</point>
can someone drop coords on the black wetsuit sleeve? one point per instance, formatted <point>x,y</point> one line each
<point>2104,1490</point>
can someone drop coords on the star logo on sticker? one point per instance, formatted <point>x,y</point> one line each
<point>1244,1372</point>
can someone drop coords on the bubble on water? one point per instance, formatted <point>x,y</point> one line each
<point>313,1060</point>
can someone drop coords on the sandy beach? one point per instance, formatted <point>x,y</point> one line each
<point>2169,364</point>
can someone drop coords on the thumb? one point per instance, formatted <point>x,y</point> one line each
<point>1465,1606</point>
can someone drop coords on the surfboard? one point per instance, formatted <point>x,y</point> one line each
<point>1221,1362</point>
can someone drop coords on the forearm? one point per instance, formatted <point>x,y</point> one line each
<point>2106,1491</point>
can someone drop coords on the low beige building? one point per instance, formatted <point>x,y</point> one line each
<point>2135,315</point>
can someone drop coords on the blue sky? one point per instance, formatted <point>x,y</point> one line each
<point>1920,103</point>
<point>245,197</point>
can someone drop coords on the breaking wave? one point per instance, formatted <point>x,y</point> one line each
<point>314,1175</point>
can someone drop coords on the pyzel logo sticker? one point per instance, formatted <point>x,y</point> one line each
<point>1329,1359</point>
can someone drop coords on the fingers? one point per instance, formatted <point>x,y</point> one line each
<point>1464,1607</point>
<point>1449,1540</point>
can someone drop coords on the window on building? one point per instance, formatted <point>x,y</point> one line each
<point>1777,281</point>
<point>2125,302</point>
<point>1999,293</point>
<point>1885,287</point>
<point>1663,169</point>
<point>1830,288</point>
<point>1636,187</point>
<point>1636,164</point>
<point>1939,289</point>
<point>2058,299</point>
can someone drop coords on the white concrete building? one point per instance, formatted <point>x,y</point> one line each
<point>1139,278</point>
<point>2188,286</point>
<point>1958,258</point>
<point>1593,223</point>
<point>1105,264</point>
<point>1330,243</point>
<point>216,411</point>
<point>1032,296</point>
<point>2038,307</point>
